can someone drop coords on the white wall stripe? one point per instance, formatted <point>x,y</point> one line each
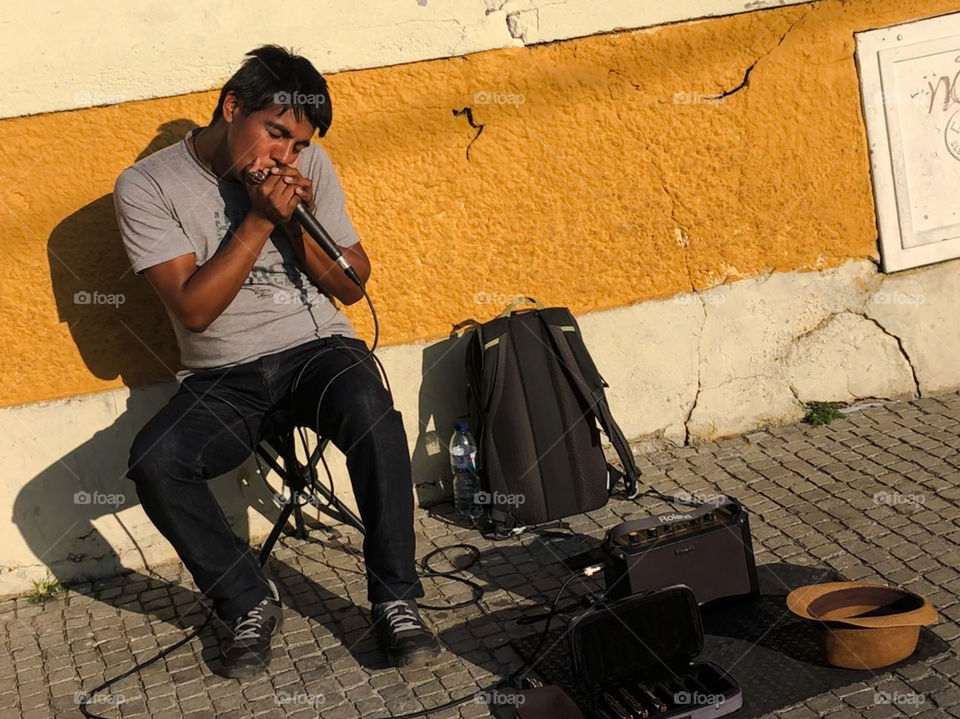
<point>66,54</point>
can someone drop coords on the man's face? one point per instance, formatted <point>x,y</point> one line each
<point>271,137</point>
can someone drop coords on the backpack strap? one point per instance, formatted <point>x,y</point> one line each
<point>509,309</point>
<point>585,378</point>
<point>463,327</point>
<point>472,364</point>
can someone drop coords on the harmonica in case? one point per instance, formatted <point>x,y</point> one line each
<point>635,659</point>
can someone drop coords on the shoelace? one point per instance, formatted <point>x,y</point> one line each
<point>249,626</point>
<point>402,619</point>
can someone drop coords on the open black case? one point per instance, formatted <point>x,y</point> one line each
<point>634,658</point>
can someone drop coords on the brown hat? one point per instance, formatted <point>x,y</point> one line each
<point>864,626</point>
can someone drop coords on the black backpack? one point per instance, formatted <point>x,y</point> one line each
<point>537,399</point>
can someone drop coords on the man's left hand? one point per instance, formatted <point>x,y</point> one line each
<point>304,188</point>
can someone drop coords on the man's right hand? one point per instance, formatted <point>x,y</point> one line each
<point>275,198</point>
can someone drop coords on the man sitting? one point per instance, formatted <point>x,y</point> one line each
<point>248,295</point>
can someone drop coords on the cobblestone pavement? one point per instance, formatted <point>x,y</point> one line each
<point>873,496</point>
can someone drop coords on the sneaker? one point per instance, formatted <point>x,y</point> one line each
<point>247,651</point>
<point>403,635</point>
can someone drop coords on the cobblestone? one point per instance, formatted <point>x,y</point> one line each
<point>818,496</point>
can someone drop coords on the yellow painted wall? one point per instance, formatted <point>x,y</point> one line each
<point>599,190</point>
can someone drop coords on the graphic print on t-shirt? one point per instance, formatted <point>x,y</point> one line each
<point>276,276</point>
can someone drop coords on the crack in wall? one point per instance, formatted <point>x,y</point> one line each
<point>479,128</point>
<point>759,375</point>
<point>829,318</point>
<point>743,83</point>
<point>903,351</point>
<point>675,202</point>
<point>793,391</point>
<point>696,396</point>
<point>746,75</point>
<point>684,241</point>
<point>817,327</point>
<point>783,359</point>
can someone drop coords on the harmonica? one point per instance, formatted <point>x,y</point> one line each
<point>657,699</point>
<point>616,707</point>
<point>632,702</point>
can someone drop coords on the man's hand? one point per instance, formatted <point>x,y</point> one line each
<point>277,196</point>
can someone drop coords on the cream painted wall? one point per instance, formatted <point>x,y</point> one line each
<point>68,54</point>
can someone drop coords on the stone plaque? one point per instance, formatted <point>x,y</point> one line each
<point>909,77</point>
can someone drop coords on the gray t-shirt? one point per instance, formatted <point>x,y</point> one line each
<point>169,205</point>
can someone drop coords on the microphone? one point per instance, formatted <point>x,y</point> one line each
<point>320,236</point>
<point>315,230</point>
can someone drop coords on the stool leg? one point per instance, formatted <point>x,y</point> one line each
<point>298,477</point>
<point>275,533</point>
<point>301,529</point>
<point>295,478</point>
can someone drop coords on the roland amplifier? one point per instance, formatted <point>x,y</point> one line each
<point>708,548</point>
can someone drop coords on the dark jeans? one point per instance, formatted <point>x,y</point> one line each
<point>198,435</point>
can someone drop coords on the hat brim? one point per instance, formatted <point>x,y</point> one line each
<point>848,602</point>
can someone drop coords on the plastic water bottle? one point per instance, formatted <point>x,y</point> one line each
<point>463,464</point>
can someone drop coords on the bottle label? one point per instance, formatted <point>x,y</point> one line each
<point>464,462</point>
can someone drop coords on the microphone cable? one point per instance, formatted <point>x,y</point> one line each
<point>517,676</point>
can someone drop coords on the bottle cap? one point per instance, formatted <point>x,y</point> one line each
<point>460,425</point>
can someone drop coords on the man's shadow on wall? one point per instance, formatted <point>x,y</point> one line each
<point>121,330</point>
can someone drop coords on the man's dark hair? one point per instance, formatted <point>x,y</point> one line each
<point>275,75</point>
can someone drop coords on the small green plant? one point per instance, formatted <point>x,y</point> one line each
<point>822,413</point>
<point>47,588</point>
